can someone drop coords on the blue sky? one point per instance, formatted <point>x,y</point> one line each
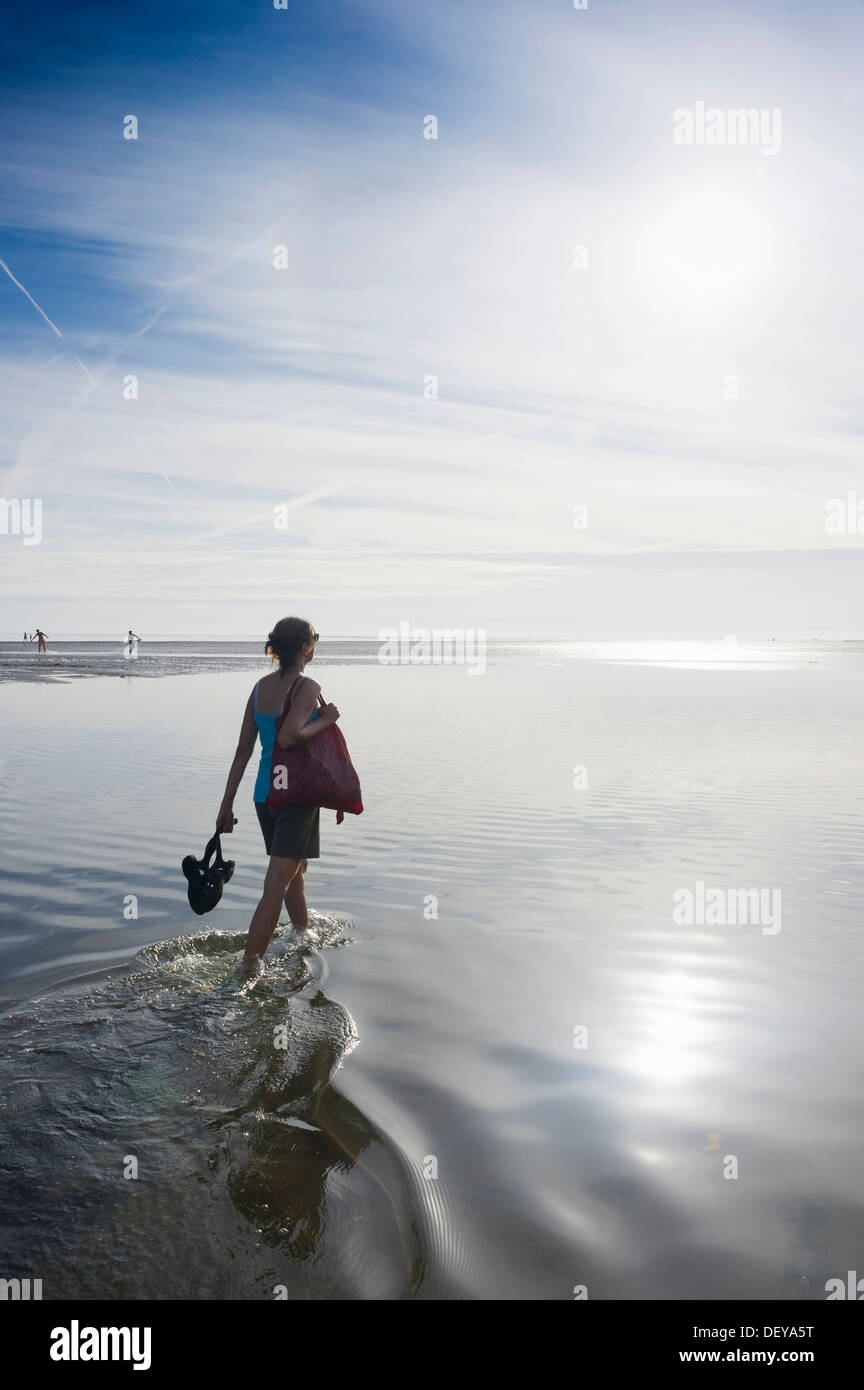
<point>605,385</point>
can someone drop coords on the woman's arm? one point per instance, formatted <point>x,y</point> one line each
<point>244,751</point>
<point>296,726</point>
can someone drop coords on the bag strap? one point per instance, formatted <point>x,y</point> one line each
<point>286,703</point>
<point>289,695</point>
<point>213,843</point>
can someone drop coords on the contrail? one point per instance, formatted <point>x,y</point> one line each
<point>295,504</point>
<point>165,476</point>
<point>32,301</point>
<point>51,325</point>
<point>306,497</point>
<point>89,375</point>
<point>86,370</point>
<point>146,329</point>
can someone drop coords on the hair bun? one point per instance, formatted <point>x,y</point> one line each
<point>287,638</point>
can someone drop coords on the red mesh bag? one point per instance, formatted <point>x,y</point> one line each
<point>317,773</point>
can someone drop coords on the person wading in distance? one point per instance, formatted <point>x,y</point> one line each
<point>291,832</point>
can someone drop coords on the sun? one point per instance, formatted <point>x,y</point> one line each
<point>710,240</point>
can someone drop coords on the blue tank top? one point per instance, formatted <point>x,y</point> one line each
<point>266,726</point>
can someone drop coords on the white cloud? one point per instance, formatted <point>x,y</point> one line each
<point>410,258</point>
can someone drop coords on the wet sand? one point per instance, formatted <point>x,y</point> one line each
<point>507,1069</point>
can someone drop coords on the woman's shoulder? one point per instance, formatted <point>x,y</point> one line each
<point>263,684</point>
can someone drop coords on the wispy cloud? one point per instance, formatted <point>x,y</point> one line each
<point>432,366</point>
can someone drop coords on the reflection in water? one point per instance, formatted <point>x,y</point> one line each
<point>175,1057</point>
<point>270,1147</point>
<point>606,1164</point>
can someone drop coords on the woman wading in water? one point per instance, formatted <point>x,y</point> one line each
<point>291,832</point>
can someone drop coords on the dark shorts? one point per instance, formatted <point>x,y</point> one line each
<point>291,832</point>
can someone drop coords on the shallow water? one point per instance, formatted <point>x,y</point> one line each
<point>415,1044</point>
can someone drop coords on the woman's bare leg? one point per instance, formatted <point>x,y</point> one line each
<point>280,875</point>
<point>295,899</point>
